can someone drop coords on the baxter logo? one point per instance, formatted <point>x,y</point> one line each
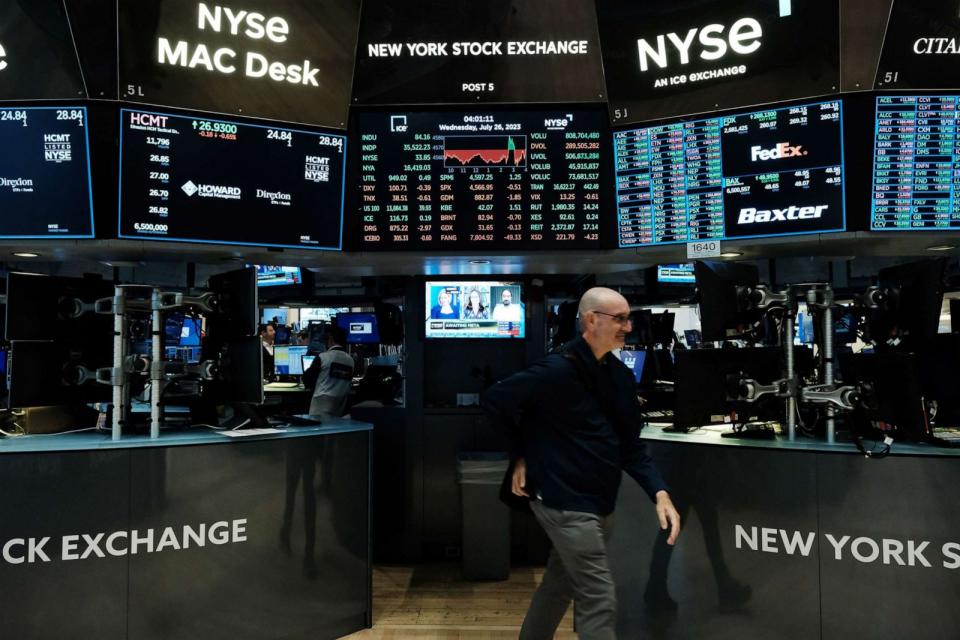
<point>189,188</point>
<point>751,215</point>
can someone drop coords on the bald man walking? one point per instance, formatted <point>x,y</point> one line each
<point>580,429</point>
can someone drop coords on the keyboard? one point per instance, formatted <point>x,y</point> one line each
<point>281,385</point>
<point>665,414</point>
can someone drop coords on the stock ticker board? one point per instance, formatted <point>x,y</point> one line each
<point>45,187</point>
<point>764,173</point>
<point>482,179</point>
<point>916,178</point>
<point>195,179</point>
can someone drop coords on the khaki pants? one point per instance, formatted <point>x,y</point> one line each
<point>576,570</point>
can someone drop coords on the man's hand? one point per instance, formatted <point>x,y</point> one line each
<point>520,478</point>
<point>666,514</point>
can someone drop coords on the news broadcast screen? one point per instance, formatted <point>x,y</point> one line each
<point>483,179</point>
<point>195,179</point>
<point>45,186</point>
<point>277,276</point>
<point>676,274</point>
<point>759,174</point>
<point>474,309</point>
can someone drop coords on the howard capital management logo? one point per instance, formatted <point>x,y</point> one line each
<point>211,191</point>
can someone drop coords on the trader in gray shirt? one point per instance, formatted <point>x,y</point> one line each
<point>336,373</point>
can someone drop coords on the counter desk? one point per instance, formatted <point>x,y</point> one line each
<point>258,535</point>
<point>791,540</point>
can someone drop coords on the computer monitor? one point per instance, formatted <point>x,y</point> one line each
<point>275,314</point>
<point>288,360</point>
<point>703,383</point>
<point>897,396</point>
<point>913,298</point>
<point>48,372</point>
<point>283,335</point>
<point>307,361</point>
<point>661,328</point>
<point>634,360</point>
<point>181,330</point>
<point>724,311</point>
<point>692,336</point>
<point>236,312</point>
<point>361,328</point>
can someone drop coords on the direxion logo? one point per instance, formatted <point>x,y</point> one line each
<point>751,215</point>
<point>3,54</point>
<point>18,185</point>
<point>275,197</point>
<point>782,150</point>
<point>211,191</point>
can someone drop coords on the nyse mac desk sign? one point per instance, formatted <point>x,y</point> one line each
<point>450,51</point>
<point>765,173</point>
<point>664,59</point>
<point>280,59</point>
<point>203,180</point>
<point>922,46</point>
<point>37,57</point>
<point>45,189</point>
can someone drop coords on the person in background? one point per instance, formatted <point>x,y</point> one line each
<point>508,310</point>
<point>444,310</point>
<point>268,334</point>
<point>475,309</point>
<point>580,430</point>
<point>334,377</point>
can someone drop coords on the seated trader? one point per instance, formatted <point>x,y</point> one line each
<point>267,336</point>
<point>333,380</point>
<point>507,310</point>
<point>580,430</point>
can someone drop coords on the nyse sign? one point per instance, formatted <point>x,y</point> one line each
<point>664,59</point>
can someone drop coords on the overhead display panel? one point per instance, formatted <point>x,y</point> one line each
<point>289,60</point>
<point>916,171</point>
<point>37,58</point>
<point>921,46</point>
<point>663,58</point>
<point>195,179</point>
<point>45,189</point>
<point>483,180</point>
<point>766,173</point>
<point>463,51</point>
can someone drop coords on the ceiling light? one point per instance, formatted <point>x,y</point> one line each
<point>479,262</point>
<point>942,247</point>
<point>731,254</point>
<point>26,254</point>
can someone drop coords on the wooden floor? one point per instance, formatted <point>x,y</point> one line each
<point>434,603</point>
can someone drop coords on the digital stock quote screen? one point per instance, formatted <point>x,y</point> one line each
<point>765,173</point>
<point>916,182</point>
<point>482,179</point>
<point>45,189</point>
<point>195,179</point>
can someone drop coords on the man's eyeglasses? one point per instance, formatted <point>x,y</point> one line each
<point>623,319</point>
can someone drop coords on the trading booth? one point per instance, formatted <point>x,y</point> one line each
<point>201,201</point>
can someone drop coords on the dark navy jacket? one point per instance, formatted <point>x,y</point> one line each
<point>556,417</point>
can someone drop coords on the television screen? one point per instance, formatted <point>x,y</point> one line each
<point>274,314</point>
<point>676,274</point>
<point>45,186</point>
<point>275,276</point>
<point>288,360</point>
<point>361,328</point>
<point>761,174</point>
<point>634,361</point>
<point>193,179</point>
<point>474,309</point>
<point>915,164</point>
<point>483,179</point>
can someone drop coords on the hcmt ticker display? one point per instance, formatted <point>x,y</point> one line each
<point>196,179</point>
<point>482,179</point>
<point>766,173</point>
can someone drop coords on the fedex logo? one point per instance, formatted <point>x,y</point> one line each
<point>782,150</point>
<point>751,215</point>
